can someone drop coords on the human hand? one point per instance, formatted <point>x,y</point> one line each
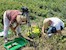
<point>23,22</point>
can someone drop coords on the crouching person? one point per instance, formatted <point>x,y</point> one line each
<point>52,25</point>
<point>14,16</point>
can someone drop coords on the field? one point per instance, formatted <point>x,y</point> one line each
<point>38,10</point>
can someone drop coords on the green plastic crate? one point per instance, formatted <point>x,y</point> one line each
<point>20,42</point>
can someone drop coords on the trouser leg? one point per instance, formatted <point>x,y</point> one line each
<point>6,25</point>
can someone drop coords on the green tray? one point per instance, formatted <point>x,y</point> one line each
<point>20,42</point>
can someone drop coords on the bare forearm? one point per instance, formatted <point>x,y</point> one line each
<point>43,29</point>
<point>16,26</point>
<point>13,29</point>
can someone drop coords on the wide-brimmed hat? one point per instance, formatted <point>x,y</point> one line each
<point>21,18</point>
<point>46,23</point>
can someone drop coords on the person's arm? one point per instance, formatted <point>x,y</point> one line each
<point>11,21</point>
<point>11,27</point>
<point>16,26</point>
<point>43,29</point>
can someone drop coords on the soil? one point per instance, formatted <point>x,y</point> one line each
<point>28,47</point>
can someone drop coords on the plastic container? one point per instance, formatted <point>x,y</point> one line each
<point>16,44</point>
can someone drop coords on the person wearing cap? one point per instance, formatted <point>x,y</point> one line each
<point>52,25</point>
<point>14,16</point>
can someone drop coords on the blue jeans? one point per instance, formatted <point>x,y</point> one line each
<point>53,30</point>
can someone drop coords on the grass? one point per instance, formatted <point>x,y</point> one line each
<point>38,9</point>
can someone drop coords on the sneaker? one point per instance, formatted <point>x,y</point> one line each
<point>49,35</point>
<point>1,34</point>
<point>6,41</point>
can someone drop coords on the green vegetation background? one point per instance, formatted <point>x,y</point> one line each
<point>39,9</point>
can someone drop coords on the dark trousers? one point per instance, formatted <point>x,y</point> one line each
<point>53,30</point>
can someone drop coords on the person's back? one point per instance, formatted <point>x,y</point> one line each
<point>53,25</point>
<point>56,21</point>
<point>12,14</point>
